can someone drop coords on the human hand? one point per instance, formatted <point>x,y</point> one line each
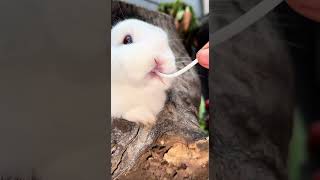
<point>203,56</point>
<point>307,8</point>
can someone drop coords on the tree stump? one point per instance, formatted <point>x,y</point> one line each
<point>175,147</point>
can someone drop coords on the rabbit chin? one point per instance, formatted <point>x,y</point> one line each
<point>157,82</point>
<point>137,104</point>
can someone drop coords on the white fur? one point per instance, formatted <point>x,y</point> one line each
<point>135,96</point>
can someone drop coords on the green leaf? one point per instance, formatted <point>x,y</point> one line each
<point>201,115</point>
<point>179,15</point>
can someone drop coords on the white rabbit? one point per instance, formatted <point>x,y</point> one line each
<point>138,49</point>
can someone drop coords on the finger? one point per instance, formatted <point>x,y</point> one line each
<point>206,46</point>
<point>307,8</point>
<point>203,57</point>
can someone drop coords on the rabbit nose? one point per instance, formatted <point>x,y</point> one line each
<point>159,63</point>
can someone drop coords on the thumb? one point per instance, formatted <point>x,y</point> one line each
<point>203,56</point>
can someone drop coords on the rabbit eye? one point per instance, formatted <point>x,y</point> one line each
<point>127,39</point>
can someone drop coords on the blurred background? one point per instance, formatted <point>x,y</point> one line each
<point>200,7</point>
<point>303,41</point>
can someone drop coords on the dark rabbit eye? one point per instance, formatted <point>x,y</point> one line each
<point>127,39</point>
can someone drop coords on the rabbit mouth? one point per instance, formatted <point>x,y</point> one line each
<point>153,74</point>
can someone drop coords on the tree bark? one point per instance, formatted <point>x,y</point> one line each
<point>175,147</point>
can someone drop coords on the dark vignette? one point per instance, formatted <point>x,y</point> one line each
<point>53,89</point>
